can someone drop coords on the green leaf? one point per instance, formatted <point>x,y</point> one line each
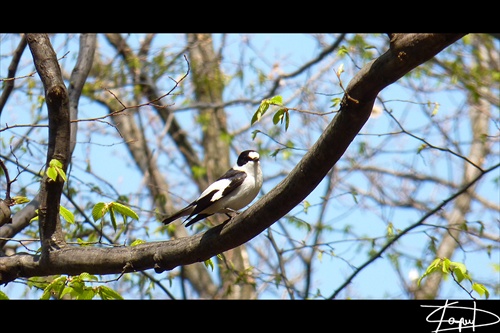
<point>254,134</point>
<point>278,116</point>
<point>125,210</point>
<point>55,163</point>
<point>480,289</point>
<point>276,100</point>
<point>62,174</point>
<point>86,294</point>
<point>421,147</point>
<point>52,174</point>
<point>287,120</point>
<point>209,263</point>
<point>390,230</point>
<point>435,265</point>
<point>459,270</point>
<point>113,217</point>
<point>3,296</point>
<point>99,210</point>
<point>107,293</point>
<point>56,287</point>
<point>264,105</point>
<point>88,277</point>
<point>20,199</point>
<point>66,214</point>
<point>54,169</point>
<point>306,205</point>
<point>137,242</point>
<point>435,110</point>
<point>335,102</point>
<point>446,265</point>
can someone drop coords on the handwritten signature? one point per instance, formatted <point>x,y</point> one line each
<point>455,323</point>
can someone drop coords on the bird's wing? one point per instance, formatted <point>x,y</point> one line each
<point>226,184</point>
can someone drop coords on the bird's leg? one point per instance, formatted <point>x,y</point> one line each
<point>230,210</point>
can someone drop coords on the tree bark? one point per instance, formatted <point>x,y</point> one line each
<point>57,100</point>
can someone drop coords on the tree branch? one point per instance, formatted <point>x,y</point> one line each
<point>56,97</point>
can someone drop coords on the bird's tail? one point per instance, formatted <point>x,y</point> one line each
<point>183,212</point>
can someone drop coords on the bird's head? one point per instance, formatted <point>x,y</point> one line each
<point>247,156</point>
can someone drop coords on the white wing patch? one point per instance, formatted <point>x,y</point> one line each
<point>219,185</point>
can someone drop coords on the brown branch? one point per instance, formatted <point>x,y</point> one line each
<point>56,97</point>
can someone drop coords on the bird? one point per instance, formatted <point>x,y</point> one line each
<point>234,190</point>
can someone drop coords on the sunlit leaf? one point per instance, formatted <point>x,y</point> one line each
<point>480,289</point>
<point>209,263</point>
<point>52,173</point>
<point>66,214</point>
<point>113,218</point>
<point>98,211</point>
<point>125,210</point>
<point>20,199</point>
<point>137,242</point>
<point>276,100</point>
<point>107,293</point>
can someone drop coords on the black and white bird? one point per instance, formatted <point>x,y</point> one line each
<point>231,192</point>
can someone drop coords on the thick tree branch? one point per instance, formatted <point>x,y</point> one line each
<point>56,97</point>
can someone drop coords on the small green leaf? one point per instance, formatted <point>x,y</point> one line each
<point>20,199</point>
<point>125,211</point>
<point>88,277</point>
<point>55,163</point>
<point>98,211</point>
<point>52,174</point>
<point>446,265</point>
<point>276,100</point>
<point>137,242</point>
<point>66,214</point>
<point>209,263</point>
<point>287,120</point>
<point>435,110</point>
<point>459,270</point>
<point>278,116</point>
<point>113,217</point>
<point>264,105</point>
<point>3,296</point>
<point>421,147</point>
<point>480,289</point>
<point>62,174</point>
<point>335,102</point>
<point>306,205</point>
<point>107,293</point>
<point>390,230</point>
<point>54,169</point>
<point>432,268</point>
